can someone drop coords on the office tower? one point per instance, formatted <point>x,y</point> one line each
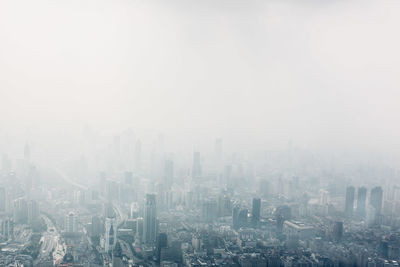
<point>71,223</point>
<point>224,206</point>
<point>169,173</point>
<point>150,219</point>
<point>2,200</point>
<point>20,210</point>
<point>361,201</point>
<point>243,218</point>
<point>110,236</point>
<point>209,210</point>
<point>196,168</point>
<point>376,199</point>
<point>162,242</point>
<point>323,197</point>
<point>138,155</point>
<point>349,205</point>
<point>97,226</point>
<point>134,213</point>
<point>7,228</point>
<point>337,231</point>
<point>255,211</point>
<point>108,210</point>
<point>128,178</point>
<point>33,211</point>
<point>139,230</point>
<point>282,214</point>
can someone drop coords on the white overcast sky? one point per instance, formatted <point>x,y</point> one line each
<point>322,73</point>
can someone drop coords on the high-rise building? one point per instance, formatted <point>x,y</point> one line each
<point>7,228</point>
<point>33,211</point>
<point>323,197</point>
<point>196,168</point>
<point>169,173</point>
<point>337,231</point>
<point>209,210</point>
<point>349,204</point>
<point>150,219</point>
<point>20,210</point>
<point>2,200</point>
<point>255,211</point>
<point>110,237</point>
<point>97,226</point>
<point>376,199</point>
<point>224,205</point>
<point>162,242</point>
<point>134,210</point>
<point>243,218</point>
<point>361,201</point>
<point>139,230</point>
<point>71,223</point>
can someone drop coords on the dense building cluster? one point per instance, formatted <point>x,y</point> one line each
<point>268,209</point>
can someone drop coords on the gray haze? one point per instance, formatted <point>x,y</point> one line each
<point>322,74</point>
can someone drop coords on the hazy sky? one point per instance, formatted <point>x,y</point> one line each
<point>323,73</point>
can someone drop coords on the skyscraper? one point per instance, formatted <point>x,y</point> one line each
<point>349,205</point>
<point>196,168</point>
<point>169,173</point>
<point>33,211</point>
<point>361,201</point>
<point>20,210</point>
<point>2,199</point>
<point>255,211</point>
<point>139,230</point>
<point>110,237</point>
<point>71,223</point>
<point>376,199</point>
<point>150,219</point>
<point>337,231</point>
<point>162,242</point>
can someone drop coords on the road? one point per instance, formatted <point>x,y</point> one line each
<point>50,241</point>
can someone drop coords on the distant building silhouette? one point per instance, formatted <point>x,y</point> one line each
<point>255,211</point>
<point>349,204</point>
<point>361,201</point>
<point>376,199</point>
<point>196,168</point>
